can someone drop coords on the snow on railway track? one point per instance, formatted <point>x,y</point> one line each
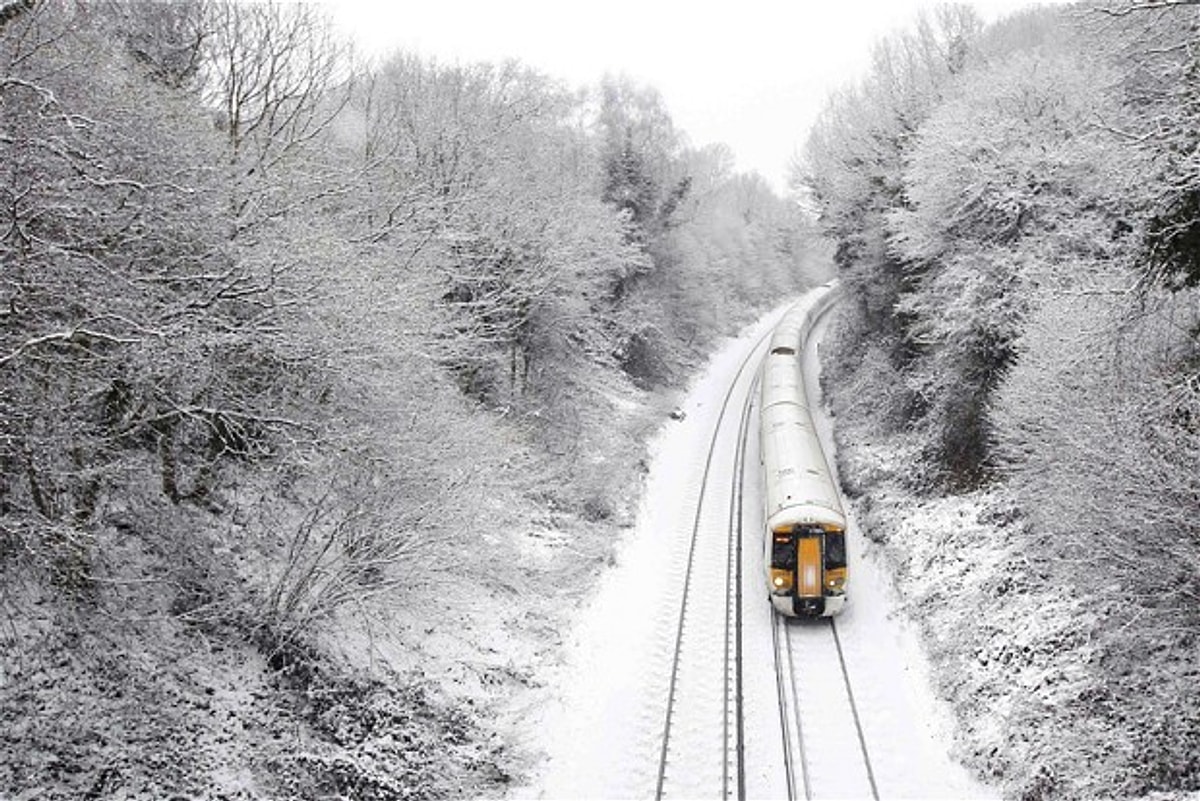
<point>671,689</point>
<point>701,754</point>
<point>827,755</point>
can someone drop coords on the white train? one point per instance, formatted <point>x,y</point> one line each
<point>805,525</point>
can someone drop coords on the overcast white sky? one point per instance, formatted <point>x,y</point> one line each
<point>753,74</point>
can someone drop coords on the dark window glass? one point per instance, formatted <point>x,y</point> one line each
<point>783,555</point>
<point>835,549</point>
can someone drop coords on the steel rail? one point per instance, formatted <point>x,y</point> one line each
<point>862,741</point>
<point>837,641</point>
<point>734,694</point>
<point>683,606</point>
<point>789,708</point>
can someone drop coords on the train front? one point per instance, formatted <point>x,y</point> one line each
<point>807,564</point>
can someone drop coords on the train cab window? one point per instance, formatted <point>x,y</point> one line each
<point>835,549</point>
<point>783,553</point>
<point>783,350</point>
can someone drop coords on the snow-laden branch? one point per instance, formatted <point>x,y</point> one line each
<point>49,101</point>
<point>82,333</point>
<point>1144,5</point>
<point>208,414</point>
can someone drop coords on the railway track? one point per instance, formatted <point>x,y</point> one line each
<point>734,778</point>
<point>713,573</point>
<point>825,752</point>
<point>695,689</point>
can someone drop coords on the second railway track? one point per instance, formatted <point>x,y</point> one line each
<point>708,736</point>
<point>696,689</point>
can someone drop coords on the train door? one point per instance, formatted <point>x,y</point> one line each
<point>809,583</point>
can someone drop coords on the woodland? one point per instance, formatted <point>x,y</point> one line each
<point>301,357</point>
<point>1016,375</point>
<point>325,385</point>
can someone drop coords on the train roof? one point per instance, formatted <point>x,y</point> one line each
<point>807,514</point>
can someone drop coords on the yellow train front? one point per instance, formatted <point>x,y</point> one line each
<point>805,526</point>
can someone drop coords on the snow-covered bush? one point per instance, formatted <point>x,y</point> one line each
<point>385,740</point>
<point>1101,449</point>
<point>1008,156</point>
<point>870,400</point>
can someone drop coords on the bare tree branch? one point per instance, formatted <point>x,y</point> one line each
<point>1136,6</point>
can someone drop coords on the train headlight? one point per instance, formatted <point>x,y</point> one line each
<point>781,582</point>
<point>837,583</point>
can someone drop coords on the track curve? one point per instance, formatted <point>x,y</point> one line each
<point>684,684</point>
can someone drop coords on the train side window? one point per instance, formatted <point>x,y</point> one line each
<point>835,549</point>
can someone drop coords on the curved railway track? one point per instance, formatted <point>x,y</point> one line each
<point>686,684</point>
<point>735,716</point>
<point>732,756</point>
<point>815,755</point>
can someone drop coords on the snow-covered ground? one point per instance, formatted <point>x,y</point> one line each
<point>907,728</point>
<point>603,734</point>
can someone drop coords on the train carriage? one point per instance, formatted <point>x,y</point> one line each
<point>805,542</point>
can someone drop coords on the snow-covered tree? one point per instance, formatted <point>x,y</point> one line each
<point>854,160</point>
<point>1009,157</point>
<point>1040,216</point>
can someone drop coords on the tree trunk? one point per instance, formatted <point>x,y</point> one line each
<point>167,460</point>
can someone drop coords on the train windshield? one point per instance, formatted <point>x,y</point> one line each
<point>835,549</point>
<point>783,553</point>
